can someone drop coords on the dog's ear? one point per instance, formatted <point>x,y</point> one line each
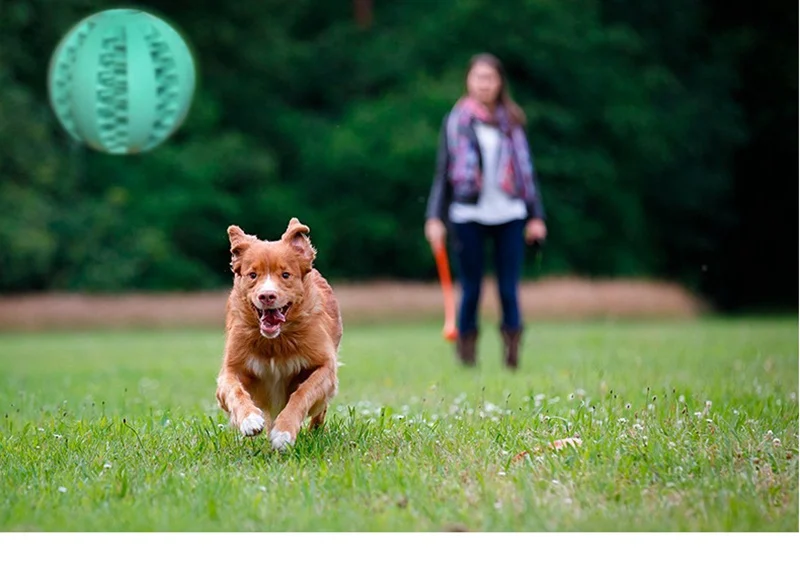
<point>296,236</point>
<point>240,241</point>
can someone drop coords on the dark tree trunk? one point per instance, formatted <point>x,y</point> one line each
<point>363,13</point>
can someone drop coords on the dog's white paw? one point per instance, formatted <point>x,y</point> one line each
<point>252,425</point>
<point>280,440</point>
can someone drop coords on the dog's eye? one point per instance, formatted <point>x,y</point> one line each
<point>286,275</point>
<point>253,275</point>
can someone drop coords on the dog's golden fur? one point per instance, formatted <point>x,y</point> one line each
<point>283,329</point>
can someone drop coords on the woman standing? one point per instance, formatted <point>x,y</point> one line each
<point>485,189</point>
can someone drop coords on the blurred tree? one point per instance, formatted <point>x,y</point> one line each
<point>758,265</point>
<point>689,196</point>
<point>329,111</point>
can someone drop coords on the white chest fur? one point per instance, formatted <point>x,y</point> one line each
<point>275,376</point>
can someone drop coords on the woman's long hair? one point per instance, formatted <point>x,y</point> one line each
<point>515,113</point>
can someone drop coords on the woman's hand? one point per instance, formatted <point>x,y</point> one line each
<point>435,232</point>
<point>535,231</point>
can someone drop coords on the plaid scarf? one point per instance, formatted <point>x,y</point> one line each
<point>515,172</point>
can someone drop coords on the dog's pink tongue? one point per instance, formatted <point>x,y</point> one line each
<point>273,317</point>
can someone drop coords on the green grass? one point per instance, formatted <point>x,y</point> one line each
<point>685,427</point>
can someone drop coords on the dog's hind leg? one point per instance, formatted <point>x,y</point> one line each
<point>317,420</point>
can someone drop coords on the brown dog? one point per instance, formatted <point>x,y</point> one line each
<point>283,329</point>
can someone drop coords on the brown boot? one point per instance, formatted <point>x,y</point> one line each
<point>511,339</point>
<point>465,347</point>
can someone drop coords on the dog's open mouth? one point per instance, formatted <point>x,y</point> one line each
<point>270,320</point>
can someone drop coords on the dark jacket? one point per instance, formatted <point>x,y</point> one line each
<point>441,195</point>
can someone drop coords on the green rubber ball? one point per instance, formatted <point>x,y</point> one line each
<point>121,81</point>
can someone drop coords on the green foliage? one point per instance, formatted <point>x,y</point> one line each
<point>300,113</point>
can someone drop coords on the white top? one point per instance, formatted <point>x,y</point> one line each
<point>494,206</point>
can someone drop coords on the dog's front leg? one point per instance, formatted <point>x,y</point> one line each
<point>234,399</point>
<point>312,395</point>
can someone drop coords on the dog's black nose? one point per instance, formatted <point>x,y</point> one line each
<point>270,297</point>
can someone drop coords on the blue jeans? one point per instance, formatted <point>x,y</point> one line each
<point>509,252</point>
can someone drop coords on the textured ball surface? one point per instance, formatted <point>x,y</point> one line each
<point>121,81</point>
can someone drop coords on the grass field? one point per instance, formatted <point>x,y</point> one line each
<point>689,426</point>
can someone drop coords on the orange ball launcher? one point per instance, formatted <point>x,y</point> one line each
<point>449,331</point>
